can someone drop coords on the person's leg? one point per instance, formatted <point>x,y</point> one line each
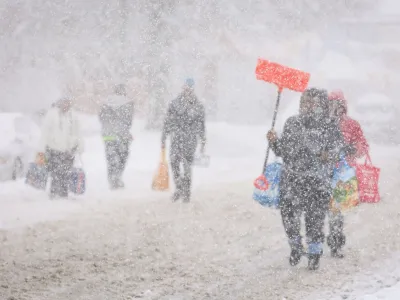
<point>112,162</point>
<point>187,178</point>
<point>175,160</point>
<point>66,163</point>
<point>291,218</point>
<point>316,208</point>
<point>122,154</point>
<point>55,173</point>
<point>336,238</point>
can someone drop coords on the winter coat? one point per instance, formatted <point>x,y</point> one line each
<point>185,123</point>
<point>351,130</point>
<point>61,132</point>
<point>301,145</point>
<point>116,119</point>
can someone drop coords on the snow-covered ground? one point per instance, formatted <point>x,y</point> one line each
<point>135,243</point>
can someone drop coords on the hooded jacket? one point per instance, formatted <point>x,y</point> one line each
<point>351,129</point>
<point>185,122</point>
<point>61,132</point>
<point>305,138</point>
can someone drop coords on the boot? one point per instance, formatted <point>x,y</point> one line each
<point>296,252</point>
<point>178,191</point>
<point>120,184</point>
<point>176,195</point>
<point>336,243</point>
<point>314,255</point>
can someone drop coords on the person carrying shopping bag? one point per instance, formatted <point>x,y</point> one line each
<point>60,142</point>
<point>353,137</point>
<point>185,123</point>
<point>309,147</point>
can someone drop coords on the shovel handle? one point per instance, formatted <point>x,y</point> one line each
<point>163,155</point>
<point>278,99</point>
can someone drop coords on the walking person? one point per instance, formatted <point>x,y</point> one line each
<point>309,147</point>
<point>61,140</point>
<point>116,122</point>
<point>354,137</point>
<point>185,123</point>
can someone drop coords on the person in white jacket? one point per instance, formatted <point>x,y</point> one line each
<point>60,141</point>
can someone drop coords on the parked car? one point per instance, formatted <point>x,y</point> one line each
<point>19,137</point>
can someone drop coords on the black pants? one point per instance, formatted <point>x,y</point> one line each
<point>303,196</point>
<point>117,154</point>
<point>181,157</point>
<point>336,238</point>
<point>59,166</point>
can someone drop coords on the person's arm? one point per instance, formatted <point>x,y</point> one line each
<point>360,142</point>
<point>280,145</point>
<point>336,145</point>
<point>202,129</point>
<point>168,123</point>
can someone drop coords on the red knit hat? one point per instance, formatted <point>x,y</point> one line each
<point>337,95</point>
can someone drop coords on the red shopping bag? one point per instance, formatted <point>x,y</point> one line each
<point>368,181</point>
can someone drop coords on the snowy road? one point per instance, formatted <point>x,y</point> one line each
<point>220,246</point>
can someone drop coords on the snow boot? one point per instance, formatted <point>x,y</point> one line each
<point>336,242</point>
<point>119,184</point>
<point>186,190</point>
<point>178,191</point>
<point>177,194</point>
<point>314,255</point>
<point>296,252</point>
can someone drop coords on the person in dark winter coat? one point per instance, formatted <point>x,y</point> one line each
<point>60,141</point>
<point>353,136</point>
<point>309,146</point>
<point>116,121</point>
<point>185,123</point>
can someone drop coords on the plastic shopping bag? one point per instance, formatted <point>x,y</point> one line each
<point>161,178</point>
<point>368,181</point>
<point>267,187</point>
<point>345,187</point>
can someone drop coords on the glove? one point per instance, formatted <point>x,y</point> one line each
<point>272,137</point>
<point>40,159</point>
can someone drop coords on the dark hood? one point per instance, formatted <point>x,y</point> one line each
<point>321,111</point>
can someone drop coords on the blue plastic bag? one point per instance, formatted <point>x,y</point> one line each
<point>270,197</point>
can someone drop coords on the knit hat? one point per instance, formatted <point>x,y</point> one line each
<point>337,95</point>
<point>189,82</point>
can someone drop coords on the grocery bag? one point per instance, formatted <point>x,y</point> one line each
<point>267,187</point>
<point>77,181</point>
<point>345,187</point>
<point>201,160</point>
<point>77,178</point>
<point>37,176</point>
<point>368,181</point>
<point>161,178</point>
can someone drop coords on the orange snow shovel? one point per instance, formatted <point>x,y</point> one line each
<point>282,77</point>
<point>161,178</point>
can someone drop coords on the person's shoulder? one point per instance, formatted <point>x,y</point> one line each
<point>352,122</point>
<point>293,120</point>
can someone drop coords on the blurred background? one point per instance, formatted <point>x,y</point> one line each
<point>84,47</point>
